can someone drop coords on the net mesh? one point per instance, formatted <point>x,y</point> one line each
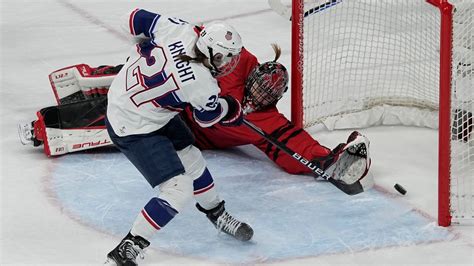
<point>360,54</point>
<point>376,62</point>
<point>462,109</point>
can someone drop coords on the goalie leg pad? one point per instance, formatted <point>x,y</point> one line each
<point>79,82</point>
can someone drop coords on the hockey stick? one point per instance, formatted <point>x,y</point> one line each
<point>350,189</point>
<point>285,11</point>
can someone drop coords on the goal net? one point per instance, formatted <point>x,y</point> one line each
<point>362,63</point>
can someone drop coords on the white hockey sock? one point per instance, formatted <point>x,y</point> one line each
<point>205,192</point>
<point>173,195</point>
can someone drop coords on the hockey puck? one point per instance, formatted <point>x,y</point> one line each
<point>400,189</point>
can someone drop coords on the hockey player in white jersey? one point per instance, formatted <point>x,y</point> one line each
<point>172,65</point>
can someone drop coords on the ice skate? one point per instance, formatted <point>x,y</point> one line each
<point>226,223</point>
<point>127,251</point>
<point>25,132</point>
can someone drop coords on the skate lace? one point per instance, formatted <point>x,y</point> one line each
<point>130,251</point>
<point>227,223</point>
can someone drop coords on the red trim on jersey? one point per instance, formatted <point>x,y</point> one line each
<point>202,190</point>
<point>174,109</point>
<point>148,218</point>
<point>130,21</point>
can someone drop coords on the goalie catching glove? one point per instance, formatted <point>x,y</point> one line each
<point>349,162</point>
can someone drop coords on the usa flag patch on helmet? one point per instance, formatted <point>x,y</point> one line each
<point>228,36</point>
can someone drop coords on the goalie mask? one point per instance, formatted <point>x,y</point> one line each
<point>221,44</point>
<point>265,86</point>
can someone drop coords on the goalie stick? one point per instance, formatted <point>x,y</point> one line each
<point>285,11</point>
<point>350,189</point>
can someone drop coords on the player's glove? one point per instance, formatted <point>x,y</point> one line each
<point>234,116</point>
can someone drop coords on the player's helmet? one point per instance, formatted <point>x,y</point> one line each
<point>222,44</point>
<point>265,85</point>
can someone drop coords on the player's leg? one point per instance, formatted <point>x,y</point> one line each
<point>207,197</point>
<point>169,162</point>
<point>155,157</point>
<point>205,192</point>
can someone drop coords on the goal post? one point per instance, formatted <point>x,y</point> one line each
<point>444,132</point>
<point>362,63</point>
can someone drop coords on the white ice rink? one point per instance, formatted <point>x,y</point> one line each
<point>52,209</point>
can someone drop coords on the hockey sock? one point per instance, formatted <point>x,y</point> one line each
<point>155,215</point>
<point>204,191</point>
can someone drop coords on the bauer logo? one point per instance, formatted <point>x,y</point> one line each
<point>311,166</point>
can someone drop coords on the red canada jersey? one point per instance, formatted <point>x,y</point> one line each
<point>269,120</point>
<point>234,83</point>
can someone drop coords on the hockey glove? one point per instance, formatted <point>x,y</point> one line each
<point>234,116</point>
<point>353,163</point>
<point>358,150</point>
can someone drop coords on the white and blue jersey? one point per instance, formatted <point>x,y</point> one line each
<point>155,84</point>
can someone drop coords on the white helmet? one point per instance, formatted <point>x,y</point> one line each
<point>222,44</point>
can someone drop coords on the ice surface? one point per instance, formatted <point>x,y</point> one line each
<point>59,211</point>
<point>292,216</point>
